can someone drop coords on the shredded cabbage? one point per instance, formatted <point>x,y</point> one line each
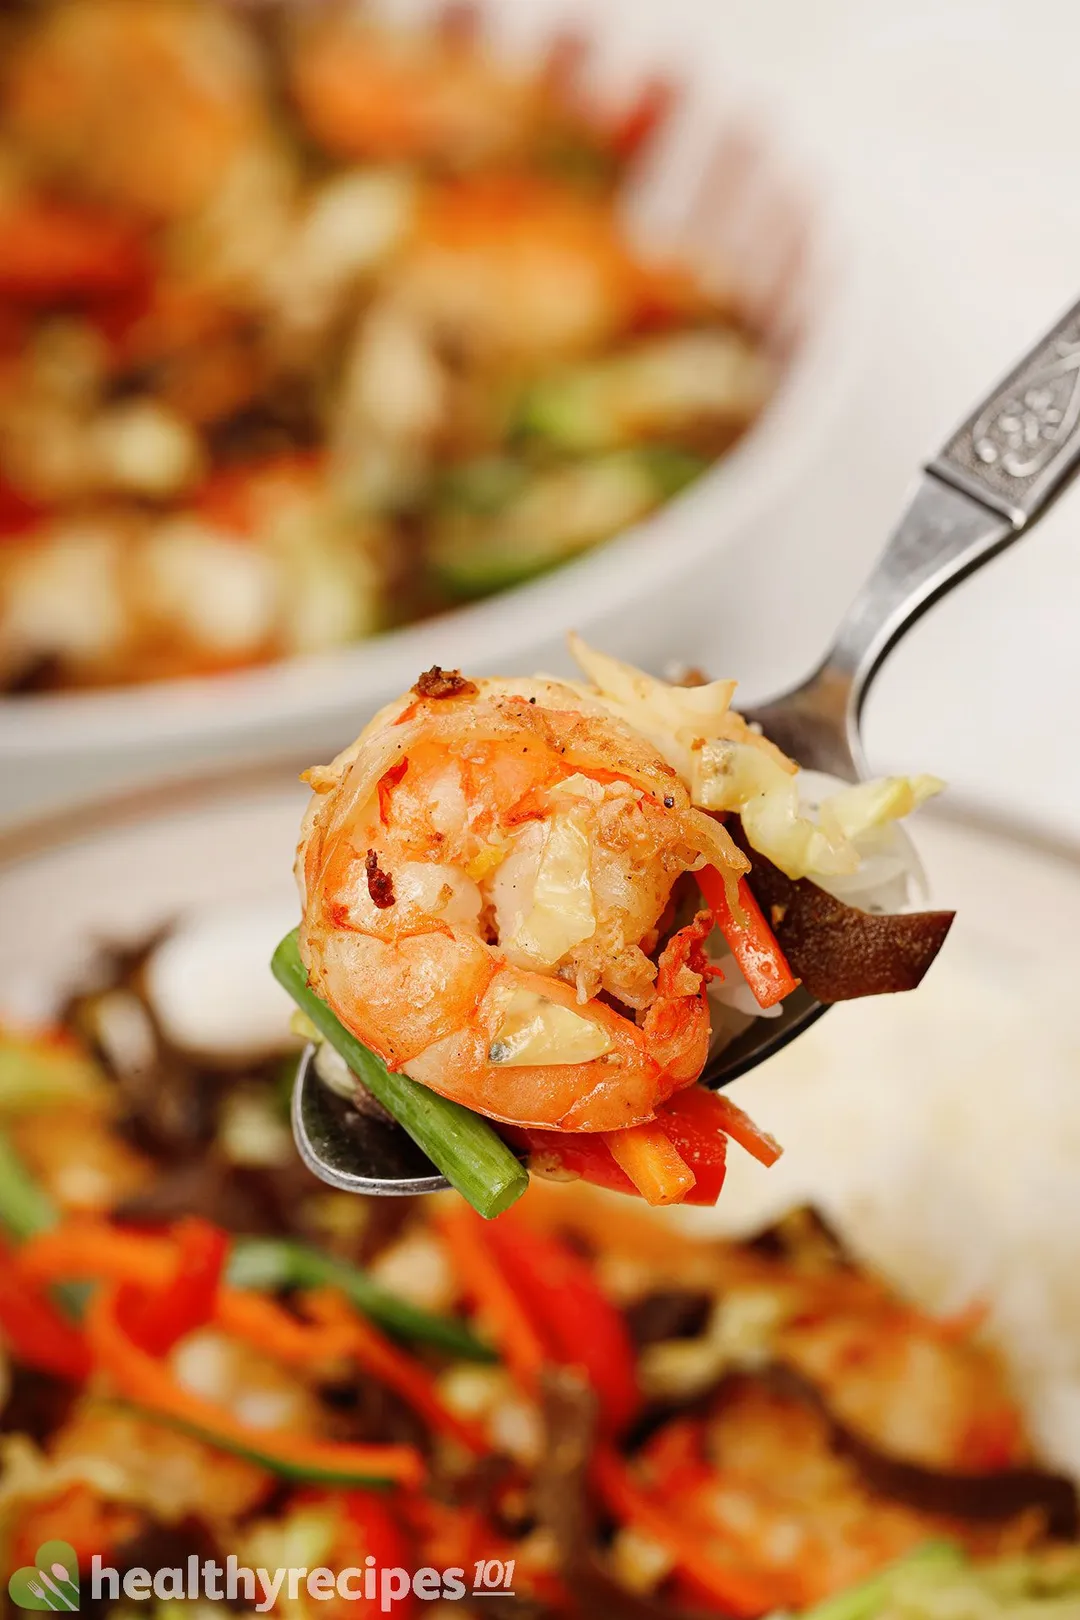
<point>727,766</point>
<point>562,914</point>
<point>535,1030</point>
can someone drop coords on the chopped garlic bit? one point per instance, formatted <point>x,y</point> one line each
<point>624,1277</point>
<point>582,787</point>
<point>474,1391</point>
<point>250,1132</point>
<point>145,448</point>
<point>333,1070</point>
<point>301,1026</point>
<point>535,1030</point>
<point>739,1334</point>
<point>680,1368</point>
<point>255,1390</point>
<point>638,1562</point>
<point>539,1550</point>
<point>487,858</point>
<point>516,1429</point>
<point>222,592</point>
<point>417,1268</point>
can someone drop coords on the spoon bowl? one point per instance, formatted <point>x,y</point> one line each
<point>994,478</point>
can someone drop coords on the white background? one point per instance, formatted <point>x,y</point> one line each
<point>954,128</point>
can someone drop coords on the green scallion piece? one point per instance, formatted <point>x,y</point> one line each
<point>273,1263</point>
<point>461,1144</point>
<point>25,1207</point>
<point>864,1601</point>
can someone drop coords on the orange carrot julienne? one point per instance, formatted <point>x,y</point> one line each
<point>394,1368</point>
<point>737,1124</point>
<point>750,939</point>
<point>738,1591</point>
<point>148,1382</point>
<point>480,1274</point>
<point>652,1161</point>
<point>97,1251</point>
<point>91,1249</point>
<point>263,1324</point>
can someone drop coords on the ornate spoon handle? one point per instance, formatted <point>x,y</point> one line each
<point>995,477</point>
<point>1020,447</point>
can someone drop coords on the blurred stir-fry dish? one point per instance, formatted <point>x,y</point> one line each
<point>310,328</point>
<point>204,1351</point>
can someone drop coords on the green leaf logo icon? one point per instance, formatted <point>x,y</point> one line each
<point>50,1582</point>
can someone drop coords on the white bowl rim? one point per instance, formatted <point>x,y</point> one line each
<point>486,634</point>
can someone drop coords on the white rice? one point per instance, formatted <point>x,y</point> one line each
<point>940,1131</point>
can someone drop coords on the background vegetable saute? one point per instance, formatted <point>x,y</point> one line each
<point>310,327</point>
<point>206,1351</point>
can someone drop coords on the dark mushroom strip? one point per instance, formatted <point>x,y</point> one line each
<point>244,1199</point>
<point>838,951</point>
<point>36,1404</point>
<point>668,1313</point>
<point>984,1497</point>
<point>562,1503</point>
<point>805,1240</point>
<point>170,1103</point>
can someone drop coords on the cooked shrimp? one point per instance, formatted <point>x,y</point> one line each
<point>83,1163</point>
<point>167,1474</point>
<point>783,1499</point>
<point>898,1377</point>
<point>478,870</point>
<point>144,105</point>
<point>522,267</point>
<point>365,92</point>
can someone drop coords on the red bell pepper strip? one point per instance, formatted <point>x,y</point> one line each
<point>519,1341</point>
<point>694,1120</point>
<point>35,1331</point>
<point>18,514</point>
<point>51,251</point>
<point>581,1325</point>
<point>543,1305</point>
<point>374,1531</point>
<point>163,1317</point>
<point>752,942</point>
<point>367,1526</point>
<point>95,1250</point>
<point>739,1591</point>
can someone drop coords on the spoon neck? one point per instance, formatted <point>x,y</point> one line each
<point>942,535</point>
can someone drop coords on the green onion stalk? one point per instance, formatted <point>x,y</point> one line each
<point>273,1264</point>
<point>468,1151</point>
<point>865,1601</point>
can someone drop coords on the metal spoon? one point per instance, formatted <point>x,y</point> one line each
<point>992,481</point>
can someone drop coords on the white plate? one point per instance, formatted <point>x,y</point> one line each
<point>774,224</point>
<point>940,1130</point>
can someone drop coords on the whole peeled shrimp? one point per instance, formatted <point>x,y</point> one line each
<point>482,875</point>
